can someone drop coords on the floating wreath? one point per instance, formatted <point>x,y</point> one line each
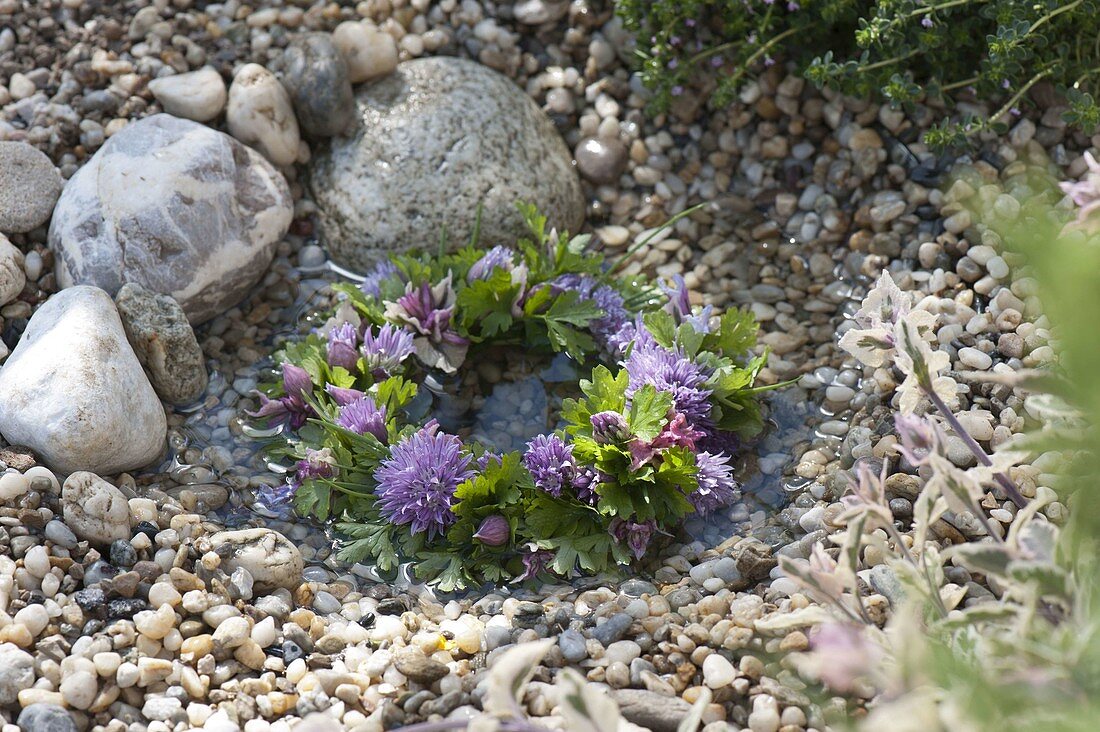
<point>647,440</point>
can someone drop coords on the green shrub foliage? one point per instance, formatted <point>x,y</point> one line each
<point>900,51</point>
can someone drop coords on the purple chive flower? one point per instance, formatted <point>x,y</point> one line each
<point>416,484</point>
<point>585,483</point>
<point>426,309</point>
<point>342,396</point>
<point>793,6</point>
<point>609,427</point>
<point>635,535</point>
<point>534,563</point>
<point>275,497</point>
<point>363,417</point>
<point>667,370</point>
<point>678,432</point>
<point>383,353</point>
<point>550,462</point>
<point>717,487</point>
<point>381,272</point>
<point>679,305</point>
<point>926,22</point>
<point>485,458</point>
<point>290,409</point>
<point>343,346</point>
<point>677,90</point>
<point>631,334</point>
<point>606,298</point>
<point>493,531</point>
<point>499,257</point>
<point>316,464</point>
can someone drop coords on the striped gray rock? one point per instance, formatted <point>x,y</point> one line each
<point>434,140</point>
<point>177,207</point>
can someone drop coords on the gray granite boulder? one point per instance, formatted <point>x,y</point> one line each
<point>434,140</point>
<point>74,392</point>
<point>176,207</point>
<point>29,187</point>
<point>164,343</point>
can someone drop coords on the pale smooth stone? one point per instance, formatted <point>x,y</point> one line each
<point>271,558</point>
<point>261,116</point>
<point>197,95</point>
<point>74,392</point>
<point>12,275</point>
<point>94,509</point>
<point>368,52</point>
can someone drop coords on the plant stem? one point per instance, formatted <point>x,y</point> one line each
<point>960,84</point>
<point>621,260</point>
<point>933,8</point>
<point>890,61</point>
<point>1050,16</point>
<point>1003,480</point>
<point>1019,95</point>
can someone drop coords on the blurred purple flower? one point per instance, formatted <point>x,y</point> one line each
<point>383,353</point>
<point>343,347</point>
<point>635,535</point>
<point>363,417</point>
<point>717,487</point>
<point>342,396</point>
<point>499,257</point>
<point>290,409</point>
<point>926,22</point>
<point>1085,192</point>
<point>609,427</point>
<point>842,653</point>
<point>416,484</point>
<point>535,563</point>
<point>381,272</point>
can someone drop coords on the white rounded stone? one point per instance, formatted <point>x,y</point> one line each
<point>12,275</point>
<point>271,558</point>
<point>261,115</point>
<point>197,95</point>
<point>16,672</point>
<point>94,509</point>
<point>74,392</point>
<point>79,689</point>
<point>37,562</point>
<point>718,672</point>
<point>33,617</point>
<point>368,52</point>
<point>13,485</point>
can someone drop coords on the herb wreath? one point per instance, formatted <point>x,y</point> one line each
<point>647,442</point>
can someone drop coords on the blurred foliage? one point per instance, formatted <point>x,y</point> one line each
<point>901,51</point>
